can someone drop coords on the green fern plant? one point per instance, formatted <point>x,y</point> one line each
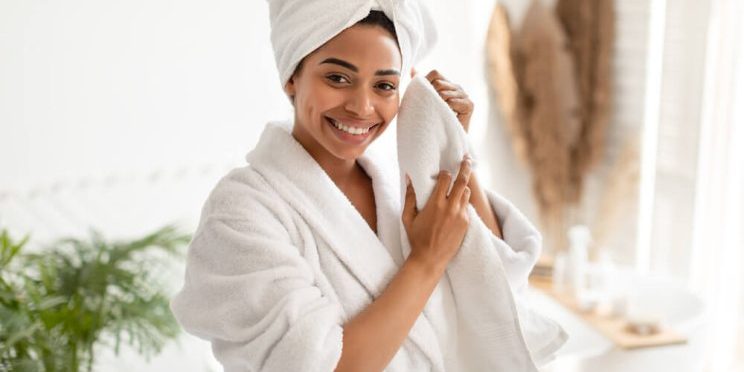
<point>60,304</point>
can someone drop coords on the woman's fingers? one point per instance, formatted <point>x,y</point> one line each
<point>441,84</point>
<point>461,183</point>
<point>465,198</point>
<point>461,106</point>
<point>454,96</point>
<point>442,185</point>
<point>409,208</point>
<point>448,94</point>
<point>434,75</point>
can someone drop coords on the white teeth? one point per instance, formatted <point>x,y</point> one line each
<point>347,129</point>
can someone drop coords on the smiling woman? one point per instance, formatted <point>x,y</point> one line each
<point>345,93</point>
<point>297,264</point>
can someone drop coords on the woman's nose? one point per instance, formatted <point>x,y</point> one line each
<point>360,103</point>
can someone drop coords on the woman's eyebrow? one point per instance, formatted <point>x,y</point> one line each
<point>351,67</point>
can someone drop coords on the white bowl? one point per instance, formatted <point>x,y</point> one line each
<point>588,350</point>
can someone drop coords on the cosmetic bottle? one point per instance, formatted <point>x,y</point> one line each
<point>579,238</point>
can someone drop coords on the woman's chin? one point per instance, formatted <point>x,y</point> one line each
<point>349,153</point>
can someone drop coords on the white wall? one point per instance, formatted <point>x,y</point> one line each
<point>93,88</point>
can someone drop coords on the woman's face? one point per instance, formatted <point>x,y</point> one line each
<point>350,82</point>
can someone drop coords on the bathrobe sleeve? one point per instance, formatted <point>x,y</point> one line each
<point>519,251</point>
<point>522,243</point>
<point>251,294</point>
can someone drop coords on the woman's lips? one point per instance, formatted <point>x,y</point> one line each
<point>348,137</point>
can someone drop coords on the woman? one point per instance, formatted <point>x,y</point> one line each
<point>296,263</point>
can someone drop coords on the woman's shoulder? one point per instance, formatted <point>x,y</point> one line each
<point>243,193</point>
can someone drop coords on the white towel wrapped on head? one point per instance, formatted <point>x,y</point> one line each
<point>298,27</point>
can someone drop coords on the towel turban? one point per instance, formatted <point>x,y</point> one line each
<point>298,27</point>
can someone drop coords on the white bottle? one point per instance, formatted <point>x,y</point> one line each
<point>579,237</point>
<point>559,272</point>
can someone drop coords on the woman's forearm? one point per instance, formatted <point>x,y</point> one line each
<point>371,339</point>
<point>479,201</point>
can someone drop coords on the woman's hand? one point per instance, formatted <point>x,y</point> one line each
<point>454,96</point>
<point>436,232</point>
<point>458,100</point>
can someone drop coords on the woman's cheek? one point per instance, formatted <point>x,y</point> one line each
<point>392,109</point>
<point>329,97</point>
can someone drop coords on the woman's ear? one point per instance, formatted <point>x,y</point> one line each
<point>289,88</point>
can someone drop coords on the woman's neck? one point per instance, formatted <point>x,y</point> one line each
<point>343,172</point>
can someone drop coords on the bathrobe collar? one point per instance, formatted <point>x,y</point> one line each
<point>290,170</point>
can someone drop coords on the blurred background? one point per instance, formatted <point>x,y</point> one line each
<point>617,126</point>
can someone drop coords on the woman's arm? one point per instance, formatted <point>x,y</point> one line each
<point>456,98</point>
<point>372,338</point>
<point>479,201</point>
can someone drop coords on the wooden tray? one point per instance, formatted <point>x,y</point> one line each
<point>612,327</point>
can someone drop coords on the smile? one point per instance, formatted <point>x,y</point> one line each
<point>349,134</point>
<point>350,129</point>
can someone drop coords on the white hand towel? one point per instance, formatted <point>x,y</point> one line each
<point>490,336</point>
<point>298,27</point>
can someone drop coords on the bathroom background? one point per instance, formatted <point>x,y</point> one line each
<point>121,116</point>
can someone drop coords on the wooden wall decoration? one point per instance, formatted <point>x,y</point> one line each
<point>552,82</point>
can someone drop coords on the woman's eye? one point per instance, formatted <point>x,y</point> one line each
<point>336,78</point>
<point>387,86</point>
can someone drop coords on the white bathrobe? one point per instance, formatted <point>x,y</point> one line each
<point>281,259</point>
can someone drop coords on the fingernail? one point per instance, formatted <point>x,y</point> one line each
<point>408,180</point>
